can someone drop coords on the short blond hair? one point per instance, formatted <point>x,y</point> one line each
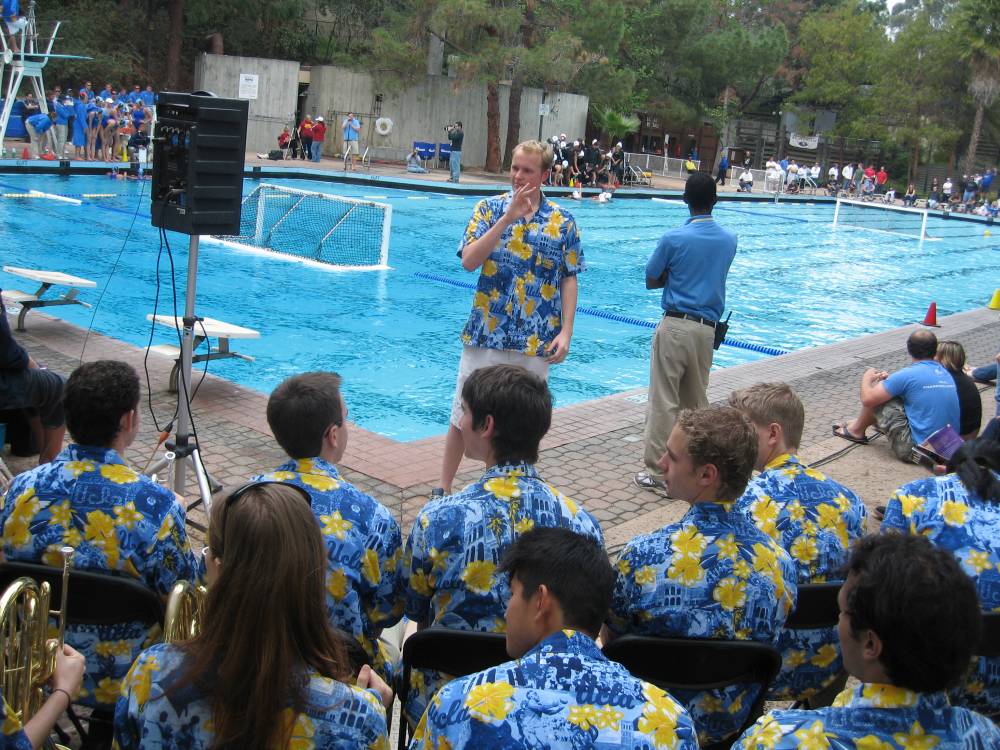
<point>543,150</point>
<point>766,403</point>
<point>951,354</point>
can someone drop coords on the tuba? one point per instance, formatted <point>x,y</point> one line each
<point>184,607</point>
<point>27,654</point>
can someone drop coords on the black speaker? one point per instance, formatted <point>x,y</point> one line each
<point>198,156</point>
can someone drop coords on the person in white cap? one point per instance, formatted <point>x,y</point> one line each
<point>319,136</point>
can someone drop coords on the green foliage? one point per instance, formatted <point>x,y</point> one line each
<point>614,124</point>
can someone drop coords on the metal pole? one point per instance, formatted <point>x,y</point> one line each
<point>187,349</point>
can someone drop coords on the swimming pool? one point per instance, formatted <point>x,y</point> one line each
<point>393,335</point>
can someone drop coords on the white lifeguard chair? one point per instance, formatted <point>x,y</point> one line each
<point>27,62</point>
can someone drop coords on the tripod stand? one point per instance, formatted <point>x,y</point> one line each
<point>187,456</point>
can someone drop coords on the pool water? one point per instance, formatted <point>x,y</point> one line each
<point>393,336</point>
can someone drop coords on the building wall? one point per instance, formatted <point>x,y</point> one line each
<point>277,92</point>
<point>421,112</point>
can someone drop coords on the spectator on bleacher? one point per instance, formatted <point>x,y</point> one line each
<point>908,406</point>
<point>88,498</point>
<point>951,355</point>
<point>959,513</point>
<point>306,136</point>
<point>25,385</point>
<point>910,197</point>
<point>456,542</point>
<point>560,691</point>
<point>266,669</point>
<point>413,163</point>
<point>713,574</point>
<point>814,518</point>
<point>319,136</point>
<point>909,621</point>
<point>364,587</point>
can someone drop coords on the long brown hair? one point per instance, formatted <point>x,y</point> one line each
<point>265,618</point>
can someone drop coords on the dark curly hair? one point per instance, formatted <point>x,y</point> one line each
<point>97,395</point>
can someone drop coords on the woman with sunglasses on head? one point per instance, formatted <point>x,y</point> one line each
<point>266,671</point>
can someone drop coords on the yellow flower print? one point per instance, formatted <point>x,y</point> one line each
<point>11,725</point>
<point>382,743</point>
<point>917,739</point>
<point>584,716</point>
<point>524,525</point>
<point>504,488</point>
<point>813,738</point>
<point>439,560</point>
<point>766,561</point>
<point>165,528</point>
<point>302,732</point>
<point>140,678</point>
<point>795,511</point>
<point>60,514</point>
<point>765,514</point>
<point>609,718</point>
<point>490,701</point>
<point>737,704</point>
<point>127,515</point>
<point>730,593</point>
<point>520,249</point>
<point>645,575</point>
<point>765,733</point>
<point>72,538</point>
<point>844,698</point>
<point>529,307</point>
<point>804,549</point>
<point>741,569</point>
<point>284,476</point>
<point>728,548</point>
<point>421,583</point>
<point>336,584</point>
<point>659,717</point>
<point>547,291</point>
<point>795,658</point>
<point>532,344</point>
<point>954,513</point>
<point>52,556</point>
<point>911,504</point>
<point>335,525</point>
<point>478,576</point>
<point>99,525</point>
<point>481,302</point>
<point>16,531</point>
<point>76,468</point>
<point>889,696</point>
<point>489,268</point>
<point>118,473</point>
<point>519,290</point>
<point>492,323</point>
<point>978,561</point>
<point>711,704</point>
<point>687,571</point>
<point>871,742</point>
<point>828,516</point>
<point>108,690</point>
<point>623,565</point>
<point>825,655</point>
<point>570,504</point>
<point>370,568</point>
<point>319,482</point>
<point>572,258</point>
<point>842,502</point>
<point>688,541</point>
<point>819,476</point>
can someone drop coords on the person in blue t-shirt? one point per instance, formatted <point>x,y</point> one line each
<point>910,405</point>
<point>148,96</point>
<point>39,127</point>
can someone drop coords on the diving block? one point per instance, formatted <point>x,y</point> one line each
<point>205,328</point>
<point>47,279</point>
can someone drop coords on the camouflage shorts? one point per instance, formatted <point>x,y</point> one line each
<point>891,419</point>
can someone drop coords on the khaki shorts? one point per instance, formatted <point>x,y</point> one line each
<point>475,358</point>
<point>891,419</point>
<point>351,146</point>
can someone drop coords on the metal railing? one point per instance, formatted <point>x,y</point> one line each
<point>661,165</point>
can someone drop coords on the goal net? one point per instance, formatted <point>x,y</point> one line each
<point>330,229</point>
<point>881,217</point>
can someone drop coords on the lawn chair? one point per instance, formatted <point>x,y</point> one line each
<point>426,151</point>
<point>816,607</point>
<point>444,154</point>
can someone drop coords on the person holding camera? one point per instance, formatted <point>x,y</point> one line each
<point>352,144</point>
<point>456,136</point>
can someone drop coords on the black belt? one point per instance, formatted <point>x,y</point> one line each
<point>688,316</point>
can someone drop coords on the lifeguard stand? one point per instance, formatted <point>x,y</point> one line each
<point>28,63</point>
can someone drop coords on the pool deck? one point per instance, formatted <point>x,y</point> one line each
<point>590,453</point>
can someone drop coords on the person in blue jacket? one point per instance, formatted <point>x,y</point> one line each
<point>64,112</point>
<point>40,129</point>
<point>80,125</point>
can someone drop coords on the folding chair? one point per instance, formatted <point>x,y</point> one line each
<point>816,607</point>
<point>444,154</point>
<point>699,664</point>
<point>454,652</point>
<point>426,151</point>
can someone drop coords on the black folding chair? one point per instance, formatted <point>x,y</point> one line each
<point>699,664</point>
<point>989,642</point>
<point>454,652</point>
<point>816,607</point>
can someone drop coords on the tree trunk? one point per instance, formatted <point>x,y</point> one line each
<point>175,33</point>
<point>977,126</point>
<point>914,162</point>
<point>492,127</point>
<point>513,118</point>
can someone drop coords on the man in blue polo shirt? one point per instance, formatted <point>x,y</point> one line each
<point>910,405</point>
<point>690,264</point>
<point>39,127</point>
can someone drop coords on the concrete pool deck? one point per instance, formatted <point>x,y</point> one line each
<point>591,452</point>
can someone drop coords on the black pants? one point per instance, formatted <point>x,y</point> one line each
<point>306,147</point>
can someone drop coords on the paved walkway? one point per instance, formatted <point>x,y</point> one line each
<point>591,452</point>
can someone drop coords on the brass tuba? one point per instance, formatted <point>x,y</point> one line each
<point>184,607</point>
<point>27,654</point>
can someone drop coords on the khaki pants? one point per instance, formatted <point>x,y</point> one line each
<point>39,141</point>
<point>678,379</point>
<point>59,136</point>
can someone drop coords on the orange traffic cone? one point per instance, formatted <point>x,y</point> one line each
<point>25,154</point>
<point>930,319</point>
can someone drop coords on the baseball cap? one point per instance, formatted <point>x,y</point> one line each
<point>319,119</point>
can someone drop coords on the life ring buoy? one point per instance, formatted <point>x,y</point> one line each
<point>383,126</point>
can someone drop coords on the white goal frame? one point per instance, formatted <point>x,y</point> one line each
<point>923,212</point>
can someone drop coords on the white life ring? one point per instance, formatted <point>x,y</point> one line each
<point>383,126</point>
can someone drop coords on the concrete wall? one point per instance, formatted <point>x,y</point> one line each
<point>277,92</point>
<point>421,112</point>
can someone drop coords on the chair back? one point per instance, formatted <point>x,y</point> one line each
<point>989,643</point>
<point>425,150</point>
<point>93,598</point>
<point>444,150</point>
<point>815,606</point>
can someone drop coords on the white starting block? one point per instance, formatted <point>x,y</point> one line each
<point>205,328</point>
<point>47,279</point>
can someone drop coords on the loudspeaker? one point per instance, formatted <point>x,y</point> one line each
<point>198,158</point>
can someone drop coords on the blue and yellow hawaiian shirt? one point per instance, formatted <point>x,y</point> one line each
<point>713,574</point>
<point>952,518</point>
<point>816,520</point>
<point>874,717</point>
<point>563,693</point>
<point>151,716</point>
<point>518,301</point>
<point>364,587</point>
<point>12,736</point>
<point>456,545</point>
<point>115,519</point>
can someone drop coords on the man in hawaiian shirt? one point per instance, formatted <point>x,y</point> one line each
<point>308,417</point>
<point>529,251</point>
<point>713,574</point>
<point>905,648</point>
<point>457,542</point>
<point>813,517</point>
<point>560,690</point>
<point>116,519</point>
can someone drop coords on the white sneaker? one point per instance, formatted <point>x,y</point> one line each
<point>644,480</point>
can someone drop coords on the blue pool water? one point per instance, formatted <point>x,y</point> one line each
<point>393,335</point>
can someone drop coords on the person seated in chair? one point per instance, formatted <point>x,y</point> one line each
<point>909,620</point>
<point>364,590</point>
<point>713,574</point>
<point>910,197</point>
<point>117,520</point>
<point>457,541</point>
<point>959,513</point>
<point>560,690</point>
<point>814,518</point>
<point>25,385</point>
<point>908,406</point>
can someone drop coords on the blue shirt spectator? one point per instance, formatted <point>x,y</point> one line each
<point>63,113</point>
<point>148,97</point>
<point>41,123</point>
<point>929,397</point>
<point>351,128</point>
